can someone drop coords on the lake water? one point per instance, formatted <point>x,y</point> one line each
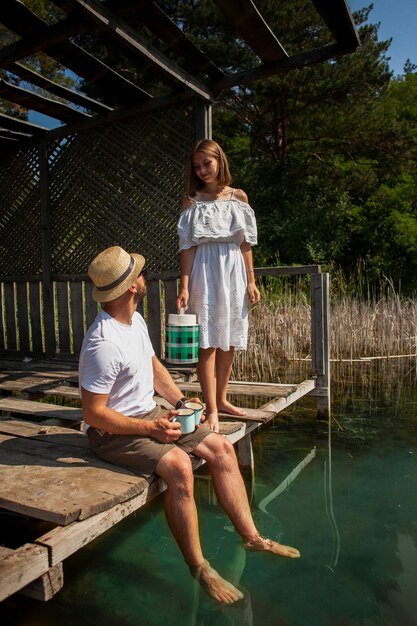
<point>345,496</point>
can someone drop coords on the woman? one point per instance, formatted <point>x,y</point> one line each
<point>217,230</point>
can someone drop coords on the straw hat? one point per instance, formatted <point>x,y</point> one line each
<point>113,271</point>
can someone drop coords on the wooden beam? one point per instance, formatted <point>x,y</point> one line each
<point>45,587</point>
<point>20,126</point>
<point>124,35</point>
<point>167,31</point>
<point>298,61</point>
<point>46,35</point>
<point>339,21</point>
<point>59,90</point>
<point>22,21</point>
<point>36,102</point>
<point>21,566</point>
<point>251,26</point>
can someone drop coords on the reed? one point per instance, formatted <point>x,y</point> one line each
<point>360,328</point>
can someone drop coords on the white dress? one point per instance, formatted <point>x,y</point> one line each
<point>218,278</point>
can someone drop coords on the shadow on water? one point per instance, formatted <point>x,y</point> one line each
<point>343,493</point>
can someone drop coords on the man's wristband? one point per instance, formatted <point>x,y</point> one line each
<point>180,403</point>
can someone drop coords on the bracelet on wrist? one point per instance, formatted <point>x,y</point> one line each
<point>180,403</point>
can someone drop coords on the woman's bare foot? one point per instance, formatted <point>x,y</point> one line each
<point>227,407</point>
<point>212,421</point>
<point>216,586</point>
<point>263,544</point>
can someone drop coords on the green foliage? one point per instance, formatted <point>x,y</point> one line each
<point>327,154</point>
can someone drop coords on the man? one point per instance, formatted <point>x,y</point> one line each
<point>118,375</point>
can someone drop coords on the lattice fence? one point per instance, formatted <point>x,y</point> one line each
<point>117,184</point>
<point>20,214</point>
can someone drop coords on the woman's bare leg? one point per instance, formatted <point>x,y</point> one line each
<point>224,362</point>
<point>206,369</point>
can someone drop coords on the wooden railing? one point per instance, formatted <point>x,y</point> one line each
<point>51,320</point>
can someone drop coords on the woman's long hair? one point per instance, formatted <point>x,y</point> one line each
<point>211,148</point>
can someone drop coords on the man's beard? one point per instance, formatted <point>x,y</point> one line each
<point>139,295</point>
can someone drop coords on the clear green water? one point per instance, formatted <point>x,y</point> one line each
<point>351,511</point>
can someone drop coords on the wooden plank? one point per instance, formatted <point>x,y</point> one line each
<point>31,384</point>
<point>63,317</point>
<point>10,304</point>
<point>154,315</point>
<point>42,369</point>
<point>253,415</point>
<point>40,388</point>
<point>35,317</point>
<point>62,436</point>
<point>40,409</point>
<point>279,404</point>
<point>21,566</point>
<point>23,316</point>
<point>246,389</point>
<point>58,483</point>
<point>77,315</point>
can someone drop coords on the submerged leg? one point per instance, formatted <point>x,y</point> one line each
<point>181,513</point>
<point>230,490</point>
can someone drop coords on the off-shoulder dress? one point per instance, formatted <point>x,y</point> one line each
<point>218,283</point>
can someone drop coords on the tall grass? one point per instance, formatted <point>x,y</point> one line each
<point>361,327</point>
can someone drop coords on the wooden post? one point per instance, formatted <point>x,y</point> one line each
<point>46,233</point>
<point>154,315</point>
<point>204,126</point>
<point>320,348</point>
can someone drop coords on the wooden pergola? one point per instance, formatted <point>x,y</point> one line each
<point>119,98</point>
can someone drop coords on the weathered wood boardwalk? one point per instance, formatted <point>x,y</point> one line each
<point>49,473</point>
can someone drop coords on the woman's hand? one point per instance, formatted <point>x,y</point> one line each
<point>254,295</point>
<point>182,300</point>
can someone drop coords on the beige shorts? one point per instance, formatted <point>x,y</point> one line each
<point>142,454</point>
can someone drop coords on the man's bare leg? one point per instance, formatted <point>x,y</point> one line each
<point>231,494</point>
<point>176,470</point>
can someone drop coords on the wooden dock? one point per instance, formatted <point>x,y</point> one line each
<point>49,473</point>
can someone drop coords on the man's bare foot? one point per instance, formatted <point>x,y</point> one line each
<point>263,544</point>
<point>227,407</point>
<point>212,421</point>
<point>216,586</point>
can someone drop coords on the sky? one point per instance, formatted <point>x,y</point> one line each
<point>397,18</point>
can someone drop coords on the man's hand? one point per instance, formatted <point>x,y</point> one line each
<point>164,430</point>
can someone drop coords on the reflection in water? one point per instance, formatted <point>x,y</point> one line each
<point>287,481</point>
<point>328,498</point>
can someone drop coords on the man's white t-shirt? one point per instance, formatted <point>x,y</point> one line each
<point>116,359</point>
